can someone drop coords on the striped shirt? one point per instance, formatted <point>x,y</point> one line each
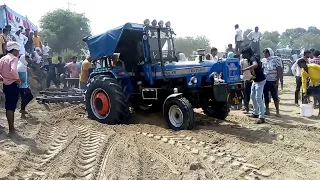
<point>270,66</point>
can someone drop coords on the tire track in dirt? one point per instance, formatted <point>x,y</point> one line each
<point>47,132</point>
<point>165,160</point>
<point>91,147</point>
<point>33,165</point>
<point>108,150</point>
<point>57,145</point>
<point>213,157</point>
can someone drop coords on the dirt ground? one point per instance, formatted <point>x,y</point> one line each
<point>63,144</point>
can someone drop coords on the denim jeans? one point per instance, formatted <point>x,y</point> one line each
<point>247,94</point>
<point>257,98</point>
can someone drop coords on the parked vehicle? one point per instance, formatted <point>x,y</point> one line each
<point>288,56</point>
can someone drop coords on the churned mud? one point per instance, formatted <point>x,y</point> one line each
<point>59,142</point>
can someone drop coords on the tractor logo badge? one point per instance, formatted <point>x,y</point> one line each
<point>232,68</point>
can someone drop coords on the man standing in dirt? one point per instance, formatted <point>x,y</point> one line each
<point>37,40</point>
<point>272,66</point>
<point>311,72</point>
<point>296,71</point>
<point>73,70</point>
<point>238,38</point>
<point>29,45</point>
<point>25,92</point>
<point>230,49</point>
<point>22,40</point>
<point>85,72</point>
<point>51,73</point>
<point>45,52</point>
<point>3,43</point>
<point>11,81</point>
<point>247,78</point>
<point>259,80</point>
<point>61,71</point>
<point>255,38</point>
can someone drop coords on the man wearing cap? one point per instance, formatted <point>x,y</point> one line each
<point>10,77</point>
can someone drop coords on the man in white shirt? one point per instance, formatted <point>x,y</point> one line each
<point>21,40</point>
<point>45,52</point>
<point>255,38</point>
<point>296,71</point>
<point>238,38</point>
<point>247,78</point>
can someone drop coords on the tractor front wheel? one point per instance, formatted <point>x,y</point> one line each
<point>178,113</point>
<point>106,101</point>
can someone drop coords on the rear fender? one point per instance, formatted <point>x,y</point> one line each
<point>169,97</point>
<point>123,79</point>
<point>115,73</point>
<point>220,92</point>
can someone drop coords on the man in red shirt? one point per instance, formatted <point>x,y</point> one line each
<point>10,77</point>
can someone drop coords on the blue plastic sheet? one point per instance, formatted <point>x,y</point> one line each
<point>105,44</point>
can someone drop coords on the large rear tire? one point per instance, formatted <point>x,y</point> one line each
<point>179,114</point>
<point>106,101</point>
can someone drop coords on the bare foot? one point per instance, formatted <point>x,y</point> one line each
<point>278,115</point>
<point>12,133</point>
<point>25,112</point>
<point>23,116</point>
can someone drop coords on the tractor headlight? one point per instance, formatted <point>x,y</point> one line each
<point>193,80</point>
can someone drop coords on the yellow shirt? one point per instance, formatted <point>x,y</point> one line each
<point>313,74</point>
<point>2,41</point>
<point>37,41</point>
<point>84,75</point>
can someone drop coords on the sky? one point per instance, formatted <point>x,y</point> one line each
<point>214,19</point>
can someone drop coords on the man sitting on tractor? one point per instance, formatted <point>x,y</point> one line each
<point>116,62</point>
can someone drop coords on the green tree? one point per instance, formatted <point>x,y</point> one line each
<point>64,29</point>
<point>270,40</point>
<point>294,38</point>
<point>290,35</point>
<point>189,44</point>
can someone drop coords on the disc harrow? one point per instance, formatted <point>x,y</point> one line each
<point>50,96</point>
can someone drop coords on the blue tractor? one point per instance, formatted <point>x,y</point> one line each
<point>135,66</point>
<point>150,78</point>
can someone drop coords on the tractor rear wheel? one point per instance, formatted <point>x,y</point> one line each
<point>106,101</point>
<point>178,113</point>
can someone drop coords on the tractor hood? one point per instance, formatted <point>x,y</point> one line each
<point>184,68</point>
<point>230,68</point>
